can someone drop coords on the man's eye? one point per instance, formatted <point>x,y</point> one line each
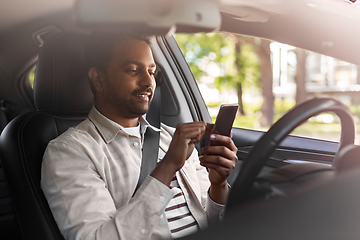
<point>132,70</point>
<point>152,73</point>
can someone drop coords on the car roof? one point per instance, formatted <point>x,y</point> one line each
<point>328,27</point>
<point>324,26</point>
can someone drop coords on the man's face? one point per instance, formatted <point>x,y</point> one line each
<point>129,79</point>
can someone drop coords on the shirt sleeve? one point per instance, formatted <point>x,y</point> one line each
<point>84,208</point>
<point>214,211</point>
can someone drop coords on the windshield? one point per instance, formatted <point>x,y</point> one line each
<point>267,79</point>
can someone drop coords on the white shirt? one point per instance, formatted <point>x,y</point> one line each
<point>181,222</point>
<point>90,172</point>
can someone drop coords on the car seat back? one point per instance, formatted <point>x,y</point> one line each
<point>63,99</point>
<point>9,228</point>
<point>3,120</point>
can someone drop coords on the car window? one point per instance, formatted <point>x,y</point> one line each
<point>260,72</point>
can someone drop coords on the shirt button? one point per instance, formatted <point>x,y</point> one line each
<point>161,199</point>
<point>142,231</point>
<point>161,217</point>
<point>135,144</point>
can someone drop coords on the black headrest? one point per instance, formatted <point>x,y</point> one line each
<point>61,83</point>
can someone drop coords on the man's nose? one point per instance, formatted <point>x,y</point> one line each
<point>147,80</point>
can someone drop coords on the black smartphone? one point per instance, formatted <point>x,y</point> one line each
<point>225,119</point>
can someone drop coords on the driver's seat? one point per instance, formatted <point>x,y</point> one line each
<point>63,99</point>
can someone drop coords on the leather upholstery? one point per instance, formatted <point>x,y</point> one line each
<point>61,83</point>
<point>9,228</point>
<point>3,119</point>
<point>63,99</point>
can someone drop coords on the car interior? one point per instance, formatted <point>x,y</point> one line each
<point>62,98</point>
<point>270,197</point>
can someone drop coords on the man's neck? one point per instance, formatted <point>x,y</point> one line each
<point>123,121</point>
<point>126,122</point>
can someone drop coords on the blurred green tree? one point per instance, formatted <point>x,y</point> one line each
<point>237,61</point>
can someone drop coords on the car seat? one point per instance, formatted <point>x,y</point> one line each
<point>9,228</point>
<point>3,119</point>
<point>62,99</point>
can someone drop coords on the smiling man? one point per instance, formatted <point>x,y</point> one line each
<point>90,172</point>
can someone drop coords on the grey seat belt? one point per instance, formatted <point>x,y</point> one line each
<point>151,138</point>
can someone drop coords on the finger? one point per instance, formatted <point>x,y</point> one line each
<point>221,140</point>
<point>181,126</point>
<point>220,151</point>
<point>192,133</point>
<point>224,171</point>
<point>218,161</point>
<point>209,129</point>
<point>205,132</point>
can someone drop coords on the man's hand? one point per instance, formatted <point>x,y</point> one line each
<point>184,140</point>
<point>220,159</point>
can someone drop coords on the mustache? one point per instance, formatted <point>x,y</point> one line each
<point>142,90</point>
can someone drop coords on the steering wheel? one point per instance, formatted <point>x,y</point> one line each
<point>262,150</point>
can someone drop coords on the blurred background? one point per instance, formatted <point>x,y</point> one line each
<point>268,78</point>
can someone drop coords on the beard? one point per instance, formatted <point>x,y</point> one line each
<point>131,107</point>
<point>136,110</point>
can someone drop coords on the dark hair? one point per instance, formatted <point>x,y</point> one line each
<point>99,48</point>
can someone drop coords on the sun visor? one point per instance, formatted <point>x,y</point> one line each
<point>158,17</point>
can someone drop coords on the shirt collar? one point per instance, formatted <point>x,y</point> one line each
<point>108,129</point>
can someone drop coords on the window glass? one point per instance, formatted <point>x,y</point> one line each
<point>269,78</point>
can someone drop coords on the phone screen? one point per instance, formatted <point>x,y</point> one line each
<point>225,119</point>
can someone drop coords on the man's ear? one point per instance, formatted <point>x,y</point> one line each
<point>96,78</point>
